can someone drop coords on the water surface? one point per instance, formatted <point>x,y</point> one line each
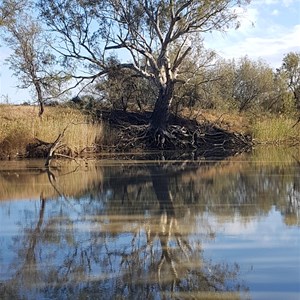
<point>125,229</point>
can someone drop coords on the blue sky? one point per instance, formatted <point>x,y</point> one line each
<point>269,30</point>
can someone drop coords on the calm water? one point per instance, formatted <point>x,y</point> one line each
<point>120,229</point>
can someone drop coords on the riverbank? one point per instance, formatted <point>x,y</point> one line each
<point>24,134</point>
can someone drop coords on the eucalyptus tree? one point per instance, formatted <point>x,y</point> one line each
<point>196,72</point>
<point>253,83</point>
<point>8,10</point>
<point>144,31</point>
<point>31,59</point>
<point>122,89</point>
<point>290,69</point>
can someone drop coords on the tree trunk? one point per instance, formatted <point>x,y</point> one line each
<point>296,93</point>
<point>160,115</point>
<point>39,97</point>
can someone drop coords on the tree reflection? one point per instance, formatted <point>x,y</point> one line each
<point>72,254</point>
<point>27,267</point>
<point>181,265</point>
<point>137,232</point>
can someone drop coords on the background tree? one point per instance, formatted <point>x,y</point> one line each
<point>31,60</point>
<point>147,30</point>
<point>281,100</point>
<point>253,82</point>
<point>122,88</point>
<point>290,69</point>
<point>8,10</point>
<point>222,91</point>
<point>196,74</point>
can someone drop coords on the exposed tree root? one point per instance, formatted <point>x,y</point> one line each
<point>134,133</point>
<point>181,134</point>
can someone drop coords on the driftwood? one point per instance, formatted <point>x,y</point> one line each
<point>55,146</point>
<point>42,149</point>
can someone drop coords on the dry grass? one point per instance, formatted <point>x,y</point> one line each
<point>228,120</point>
<point>20,125</point>
<point>269,129</point>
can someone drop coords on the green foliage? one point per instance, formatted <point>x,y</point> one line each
<point>243,85</point>
<point>148,31</point>
<point>192,91</point>
<point>288,105</point>
<point>253,82</point>
<point>290,73</point>
<point>276,130</point>
<point>123,88</point>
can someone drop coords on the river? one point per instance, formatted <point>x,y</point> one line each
<point>131,228</point>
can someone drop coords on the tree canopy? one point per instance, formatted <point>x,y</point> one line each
<point>9,9</point>
<point>148,31</point>
<point>291,71</point>
<point>31,58</point>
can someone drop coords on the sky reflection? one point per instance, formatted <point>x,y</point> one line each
<point>159,230</point>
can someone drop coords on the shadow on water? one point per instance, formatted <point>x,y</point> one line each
<point>133,230</point>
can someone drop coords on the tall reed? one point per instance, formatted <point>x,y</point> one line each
<point>20,125</point>
<point>276,130</point>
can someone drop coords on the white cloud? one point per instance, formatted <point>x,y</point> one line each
<point>269,2</point>
<point>270,48</point>
<point>286,3</point>
<point>262,34</point>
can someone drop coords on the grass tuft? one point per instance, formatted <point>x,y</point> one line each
<point>276,130</point>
